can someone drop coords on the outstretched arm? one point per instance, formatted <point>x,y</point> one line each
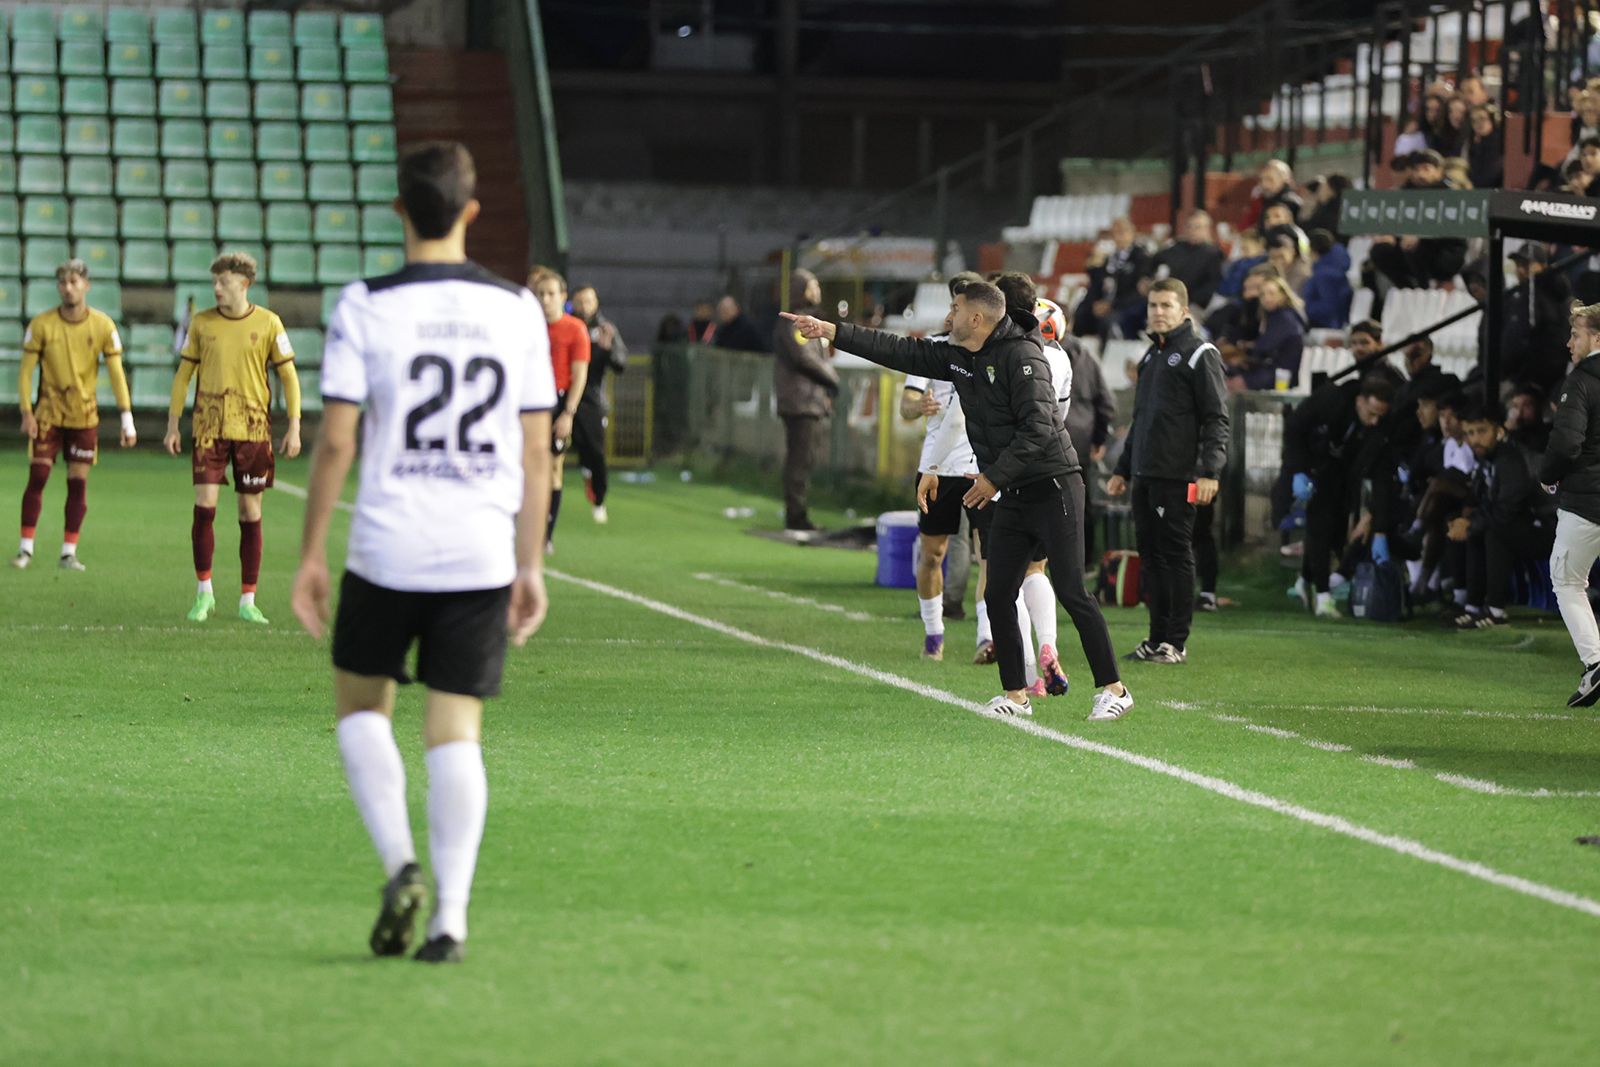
<point>930,359</point>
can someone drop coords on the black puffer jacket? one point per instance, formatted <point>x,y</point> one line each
<point>1572,458</point>
<point>1006,394</point>
<point>1180,411</point>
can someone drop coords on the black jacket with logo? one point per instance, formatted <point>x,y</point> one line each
<point>1572,458</point>
<point>1180,410</point>
<point>1009,401</point>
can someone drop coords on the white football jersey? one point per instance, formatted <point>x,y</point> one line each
<point>948,453</point>
<point>444,357</point>
<point>1060,377</point>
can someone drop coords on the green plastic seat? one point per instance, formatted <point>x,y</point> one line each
<point>129,59</point>
<point>46,175</point>
<point>145,261</point>
<point>10,216</point>
<point>85,58</point>
<point>33,22</point>
<point>317,64</point>
<point>271,63</point>
<point>138,177</point>
<point>86,96</point>
<point>222,27</point>
<point>239,222</point>
<point>11,308</point>
<point>183,139</point>
<point>44,216</point>
<point>233,180</point>
<point>366,65</point>
<point>144,218</point>
<point>378,260</point>
<point>135,137</point>
<point>107,294</point>
<point>183,179</point>
<point>103,255</point>
<point>278,140</point>
<point>336,224</point>
<point>81,22</point>
<point>277,103</point>
<point>327,143</point>
<point>191,260</point>
<point>292,264</point>
<point>33,57</point>
<point>316,28</point>
<point>89,176</point>
<point>148,385</point>
<point>127,24</point>
<point>8,134</point>
<point>42,255</point>
<point>307,345</point>
<point>201,293</point>
<point>34,95</point>
<point>373,143</point>
<point>322,103</point>
<point>289,222</point>
<point>361,31</point>
<point>371,103</point>
<point>338,264</point>
<point>39,134</point>
<point>88,135</point>
<point>225,62</point>
<point>40,294</point>
<point>181,99</point>
<point>5,92</point>
<point>150,335</point>
<point>177,59</point>
<point>175,24</point>
<point>376,183</point>
<point>283,181</point>
<point>94,216</point>
<point>191,220</point>
<point>332,181</point>
<point>271,27</point>
<point>231,140</point>
<point>311,390</point>
<point>8,174</point>
<point>10,257</point>
<point>228,100</point>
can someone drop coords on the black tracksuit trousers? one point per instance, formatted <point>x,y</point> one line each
<point>1163,523</point>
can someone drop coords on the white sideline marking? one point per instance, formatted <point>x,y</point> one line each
<point>787,598</point>
<point>1480,785</point>
<point>1333,823</point>
<point>296,491</point>
<point>1387,761</point>
<point>1287,735</point>
<point>1373,709</point>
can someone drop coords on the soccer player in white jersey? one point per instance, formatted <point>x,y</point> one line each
<point>446,368</point>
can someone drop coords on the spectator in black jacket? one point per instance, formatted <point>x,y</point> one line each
<point>1525,418</point>
<point>1535,320</point>
<point>1572,463</point>
<point>1412,262</point>
<point>1176,448</point>
<point>735,330</point>
<point>1486,162</point>
<point>1327,208</point>
<point>1113,290</point>
<point>1194,259</point>
<point>995,358</point>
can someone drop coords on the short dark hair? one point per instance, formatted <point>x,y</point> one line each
<point>1476,410</point>
<point>960,281</point>
<point>1377,387</point>
<point>1530,390</point>
<point>986,297</point>
<point>1338,183</point>
<point>1371,327</point>
<point>436,179</point>
<point>1019,290</point>
<point>1321,242</point>
<point>1455,400</point>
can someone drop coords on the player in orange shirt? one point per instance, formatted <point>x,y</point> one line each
<point>230,347</point>
<point>569,357</point>
<point>67,344</point>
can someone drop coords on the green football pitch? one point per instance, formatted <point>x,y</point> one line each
<point>734,818</point>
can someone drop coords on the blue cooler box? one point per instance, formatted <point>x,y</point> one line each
<point>897,546</point>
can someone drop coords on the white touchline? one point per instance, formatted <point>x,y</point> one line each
<point>1334,823</point>
<point>1373,709</point>
<point>787,598</point>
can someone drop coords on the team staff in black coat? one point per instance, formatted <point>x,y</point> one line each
<point>1179,435</point>
<point>996,361</point>
<point>1572,461</point>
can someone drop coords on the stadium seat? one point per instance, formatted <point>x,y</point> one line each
<point>88,135</point>
<point>278,141</point>
<point>86,96</point>
<point>33,22</point>
<point>283,181</point>
<point>135,137</point>
<point>191,220</point>
<point>311,390</point>
<point>271,63</point>
<point>361,31</point>
<point>224,62</point>
<point>332,181</point>
<point>271,27</point>
<point>40,295</point>
<point>222,27</point>
<point>338,264</point>
<point>380,225</point>
<point>39,135</point>
<point>8,134</point>
<point>89,176</point>
<point>231,140</point>
<point>10,305</point>
<point>366,65</point>
<point>10,258</point>
<point>151,336</point>
<point>233,180</point>
<point>183,179</point>
<point>5,93</point>
<point>41,175</point>
<point>181,99</point>
<point>84,58</point>
<point>8,174</point>
<point>373,144</point>
<point>316,28</point>
<point>102,255</point>
<point>138,177</point>
<point>44,216</point>
<point>277,103</point>
<point>133,98</point>
<point>321,103</point>
<point>379,260</point>
<point>33,57</point>
<point>151,390</point>
<point>129,59</point>
<point>80,22</point>
<point>330,300</point>
<point>371,103</point>
<point>175,24</point>
<point>228,100</point>
<point>307,345</point>
<point>10,216</point>
<point>239,222</point>
<point>289,222</point>
<point>292,264</point>
<point>107,296</point>
<point>144,218</point>
<point>42,255</point>
<point>177,59</point>
<point>94,216</point>
<point>376,183</point>
<point>336,224</point>
<point>191,260</point>
<point>317,64</point>
<point>37,96</point>
<point>199,292</point>
<point>145,261</point>
<point>327,142</point>
<point>127,24</point>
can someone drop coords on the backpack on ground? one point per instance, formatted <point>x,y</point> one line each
<point>1379,593</point>
<point>1119,578</point>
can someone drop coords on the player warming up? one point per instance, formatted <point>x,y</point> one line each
<point>230,347</point>
<point>451,365</point>
<point>67,344</point>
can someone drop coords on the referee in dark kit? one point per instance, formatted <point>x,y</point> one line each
<point>996,360</point>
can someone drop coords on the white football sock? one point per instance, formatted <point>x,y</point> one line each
<point>27,546</point>
<point>985,633</point>
<point>68,549</point>
<point>1041,601</point>
<point>1030,659</point>
<point>246,598</point>
<point>932,614</point>
<point>458,800</point>
<point>204,586</point>
<point>377,779</point>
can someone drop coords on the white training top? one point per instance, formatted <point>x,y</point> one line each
<point>444,357</point>
<point>945,450</point>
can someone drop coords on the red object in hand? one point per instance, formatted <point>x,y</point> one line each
<point>1194,493</point>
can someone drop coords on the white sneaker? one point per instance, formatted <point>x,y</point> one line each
<point>21,560</point>
<point>70,562</point>
<point>1302,589</point>
<point>1166,652</point>
<point>1108,705</point>
<point>1325,607</point>
<point>600,516</point>
<point>1004,705</point>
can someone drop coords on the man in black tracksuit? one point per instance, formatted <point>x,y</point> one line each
<point>1179,438</point>
<point>606,352</point>
<point>996,361</point>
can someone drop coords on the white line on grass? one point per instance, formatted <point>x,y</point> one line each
<point>787,598</point>
<point>1374,709</point>
<point>1334,823</point>
<point>1389,761</point>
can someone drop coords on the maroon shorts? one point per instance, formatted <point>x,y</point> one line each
<point>251,460</point>
<point>81,446</point>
